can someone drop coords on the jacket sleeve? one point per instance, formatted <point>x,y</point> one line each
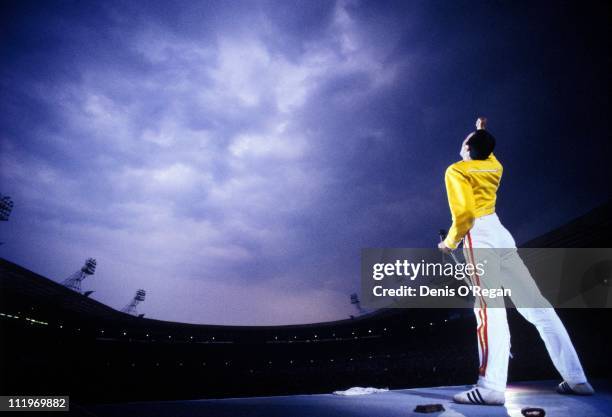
<point>462,206</point>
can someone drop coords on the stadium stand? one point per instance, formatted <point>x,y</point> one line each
<point>56,341</point>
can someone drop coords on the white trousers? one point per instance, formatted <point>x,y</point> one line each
<point>505,266</point>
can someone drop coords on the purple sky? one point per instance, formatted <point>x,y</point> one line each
<point>232,158</point>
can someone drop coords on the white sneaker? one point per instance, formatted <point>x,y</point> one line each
<point>480,396</point>
<point>584,388</point>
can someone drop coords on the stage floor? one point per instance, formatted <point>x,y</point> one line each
<point>396,403</point>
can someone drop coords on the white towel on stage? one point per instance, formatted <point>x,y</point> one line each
<point>361,391</point>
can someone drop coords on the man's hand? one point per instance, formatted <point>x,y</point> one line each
<point>481,123</point>
<point>443,248</point>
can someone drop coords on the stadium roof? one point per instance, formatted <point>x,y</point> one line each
<point>20,286</point>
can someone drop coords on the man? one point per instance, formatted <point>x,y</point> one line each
<point>471,186</point>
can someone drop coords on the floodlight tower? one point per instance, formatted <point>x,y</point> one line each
<point>131,307</point>
<point>6,207</point>
<point>74,281</point>
<point>355,301</point>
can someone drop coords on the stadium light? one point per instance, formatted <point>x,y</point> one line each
<point>355,301</point>
<point>131,307</point>
<point>6,207</point>
<point>74,281</point>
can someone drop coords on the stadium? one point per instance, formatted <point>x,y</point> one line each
<point>57,341</point>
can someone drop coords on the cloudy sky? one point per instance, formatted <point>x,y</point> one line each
<point>232,158</point>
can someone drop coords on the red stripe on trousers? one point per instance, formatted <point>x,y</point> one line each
<point>483,328</point>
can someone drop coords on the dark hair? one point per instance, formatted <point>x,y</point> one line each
<point>481,144</point>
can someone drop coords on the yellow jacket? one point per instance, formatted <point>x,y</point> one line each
<point>471,187</point>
